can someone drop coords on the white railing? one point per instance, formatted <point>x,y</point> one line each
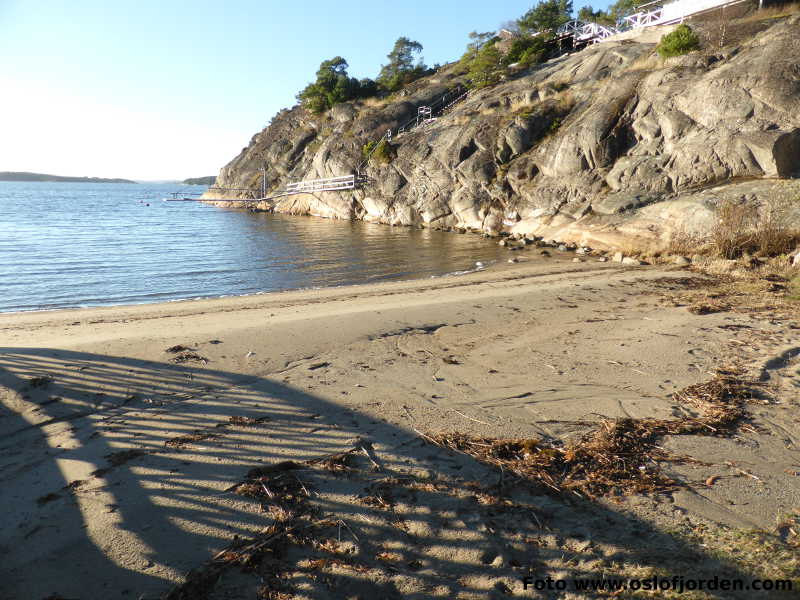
<point>597,32</point>
<point>330,184</point>
<point>674,12</point>
<point>581,31</point>
<point>570,28</point>
<point>643,19</point>
<point>454,102</point>
<point>652,13</point>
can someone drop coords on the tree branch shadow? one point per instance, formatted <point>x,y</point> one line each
<point>120,477</point>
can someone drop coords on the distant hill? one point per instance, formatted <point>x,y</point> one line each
<point>22,176</point>
<point>200,180</point>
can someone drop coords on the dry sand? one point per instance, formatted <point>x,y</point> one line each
<point>118,465</point>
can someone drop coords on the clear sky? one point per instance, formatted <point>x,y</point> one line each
<point>169,89</point>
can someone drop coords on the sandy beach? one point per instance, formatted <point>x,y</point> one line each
<point>282,445</point>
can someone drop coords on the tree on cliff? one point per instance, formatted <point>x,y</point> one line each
<point>482,61</point>
<point>547,14</point>
<point>589,15</point>
<point>332,86</point>
<point>615,12</point>
<point>622,8</point>
<point>401,68</point>
<point>485,63</point>
<point>526,51</point>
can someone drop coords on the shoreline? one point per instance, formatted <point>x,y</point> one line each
<point>245,295</point>
<point>130,436</point>
<point>202,305</point>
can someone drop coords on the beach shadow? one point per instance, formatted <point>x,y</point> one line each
<point>119,477</point>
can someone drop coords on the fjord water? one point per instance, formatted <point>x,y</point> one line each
<point>68,245</point>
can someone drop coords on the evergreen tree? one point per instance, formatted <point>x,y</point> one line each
<point>546,15</point>
<point>482,61</point>
<point>623,8</point>
<point>332,86</point>
<point>478,41</point>
<point>486,67</point>
<point>401,68</point>
<point>526,51</point>
<point>610,17</point>
<point>589,15</point>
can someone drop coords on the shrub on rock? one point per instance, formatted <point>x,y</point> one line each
<point>681,41</point>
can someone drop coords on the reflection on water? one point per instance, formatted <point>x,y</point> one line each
<point>65,245</point>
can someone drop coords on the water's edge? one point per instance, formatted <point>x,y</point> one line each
<point>74,245</point>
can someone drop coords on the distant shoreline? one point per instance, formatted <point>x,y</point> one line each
<point>209,180</point>
<point>42,177</point>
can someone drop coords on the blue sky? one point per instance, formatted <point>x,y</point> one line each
<point>174,89</point>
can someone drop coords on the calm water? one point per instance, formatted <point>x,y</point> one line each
<point>72,244</point>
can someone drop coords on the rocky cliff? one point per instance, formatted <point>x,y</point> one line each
<point>605,143</point>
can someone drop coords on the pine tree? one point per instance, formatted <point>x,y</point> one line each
<point>546,15</point>
<point>401,68</point>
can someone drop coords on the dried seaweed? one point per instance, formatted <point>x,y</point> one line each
<point>283,491</point>
<point>198,585</point>
<point>46,498</point>
<point>247,421</point>
<point>116,459</point>
<point>178,348</point>
<point>188,356</point>
<point>285,465</point>
<point>621,456</point>
<point>345,461</point>
<point>286,496</point>
<point>197,436</point>
<point>340,462</point>
<point>380,494</point>
<point>38,382</point>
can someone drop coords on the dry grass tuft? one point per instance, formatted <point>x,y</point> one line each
<point>708,308</point>
<point>776,12</point>
<point>642,247</point>
<point>565,101</point>
<point>760,553</point>
<point>682,243</point>
<point>767,231</point>
<point>375,101</point>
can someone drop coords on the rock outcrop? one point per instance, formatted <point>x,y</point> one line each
<point>605,143</point>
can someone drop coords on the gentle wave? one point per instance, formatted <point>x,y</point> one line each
<point>72,245</point>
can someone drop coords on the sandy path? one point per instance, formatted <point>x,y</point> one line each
<point>534,350</point>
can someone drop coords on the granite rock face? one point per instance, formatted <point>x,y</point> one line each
<point>605,143</point>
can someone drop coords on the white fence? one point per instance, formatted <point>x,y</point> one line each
<point>643,19</point>
<point>582,31</point>
<point>331,184</point>
<point>674,12</point>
